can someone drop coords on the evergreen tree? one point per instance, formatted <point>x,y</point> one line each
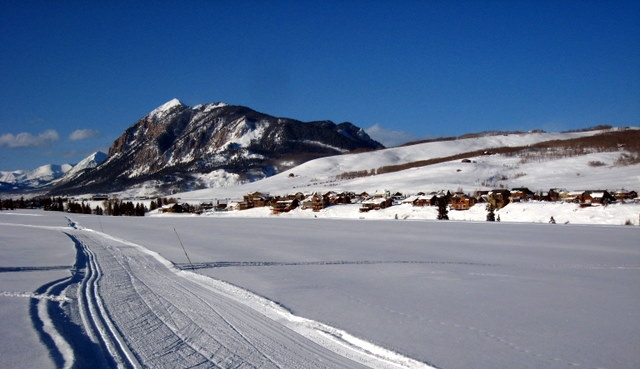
<point>491,215</point>
<point>98,210</point>
<point>115,209</point>
<point>140,209</point>
<point>9,204</point>
<point>109,208</point>
<point>443,211</point>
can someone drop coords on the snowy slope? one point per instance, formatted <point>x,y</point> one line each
<point>484,172</point>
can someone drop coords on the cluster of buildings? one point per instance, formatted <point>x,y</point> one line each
<point>498,199</point>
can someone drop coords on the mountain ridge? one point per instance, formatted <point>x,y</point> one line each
<point>44,176</point>
<point>174,142</point>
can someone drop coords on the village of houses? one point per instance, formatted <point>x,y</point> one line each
<point>456,201</point>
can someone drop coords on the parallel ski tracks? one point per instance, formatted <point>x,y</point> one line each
<point>147,315</point>
<point>95,317</point>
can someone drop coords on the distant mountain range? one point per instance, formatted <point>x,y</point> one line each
<point>30,179</point>
<point>172,146</point>
<point>48,175</point>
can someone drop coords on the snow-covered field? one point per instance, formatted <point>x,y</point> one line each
<point>287,292</point>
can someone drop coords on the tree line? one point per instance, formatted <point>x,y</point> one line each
<point>113,207</point>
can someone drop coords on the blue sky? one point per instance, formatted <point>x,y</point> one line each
<point>76,74</point>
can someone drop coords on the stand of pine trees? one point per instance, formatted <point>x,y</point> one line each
<point>116,207</point>
<point>78,208</point>
<point>113,207</point>
<point>11,204</point>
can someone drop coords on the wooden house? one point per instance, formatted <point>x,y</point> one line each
<point>552,195</point>
<point>255,200</point>
<point>176,208</point>
<point>499,198</point>
<point>361,197</point>
<point>315,202</point>
<point>339,198</point>
<point>284,206</point>
<point>417,200</point>
<point>600,197</point>
<point>382,194</point>
<point>375,203</point>
<point>481,196</point>
<point>234,206</point>
<point>520,194</point>
<point>462,202</point>
<point>220,206</point>
<point>319,202</point>
<point>624,195</point>
<point>573,196</point>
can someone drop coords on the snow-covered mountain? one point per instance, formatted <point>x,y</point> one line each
<point>592,159</point>
<point>174,142</point>
<point>88,163</point>
<point>46,175</point>
<point>31,179</point>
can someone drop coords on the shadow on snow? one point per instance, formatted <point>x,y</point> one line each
<point>87,354</point>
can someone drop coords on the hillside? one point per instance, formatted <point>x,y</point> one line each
<point>595,159</point>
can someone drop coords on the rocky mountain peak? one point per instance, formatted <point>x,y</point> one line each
<point>175,141</point>
<point>165,108</point>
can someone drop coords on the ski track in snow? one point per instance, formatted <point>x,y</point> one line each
<point>143,312</point>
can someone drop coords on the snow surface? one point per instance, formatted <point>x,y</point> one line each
<point>284,292</point>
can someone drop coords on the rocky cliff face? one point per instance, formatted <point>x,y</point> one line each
<point>175,141</point>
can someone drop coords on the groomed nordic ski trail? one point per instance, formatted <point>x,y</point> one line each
<point>148,314</point>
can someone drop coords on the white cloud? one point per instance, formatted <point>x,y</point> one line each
<point>25,139</point>
<point>83,134</point>
<point>390,138</point>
